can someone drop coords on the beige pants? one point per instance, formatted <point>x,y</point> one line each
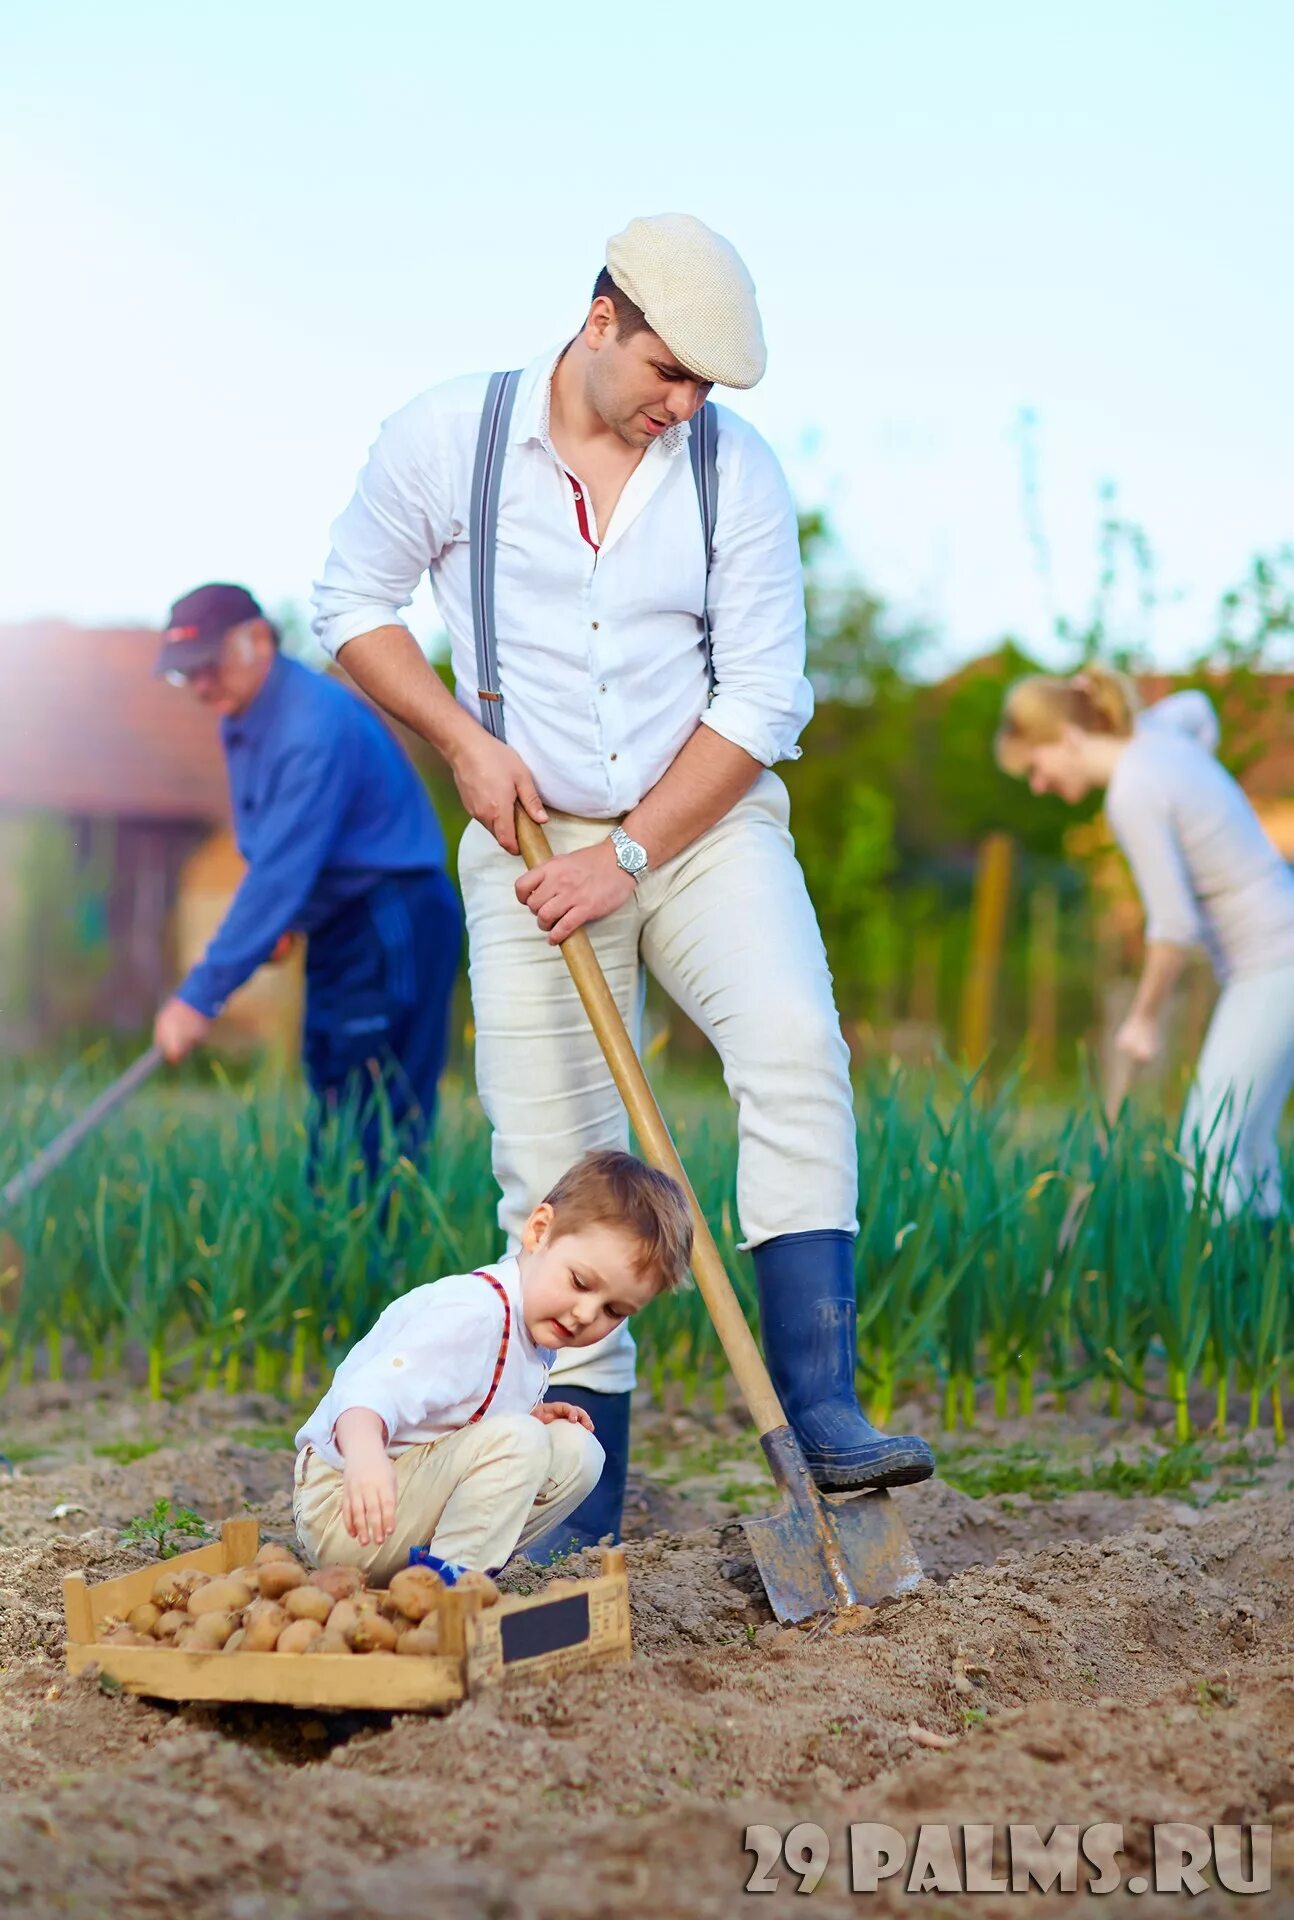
<point>475,1496</point>
<point>728,929</point>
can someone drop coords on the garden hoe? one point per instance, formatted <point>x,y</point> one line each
<point>816,1553</point>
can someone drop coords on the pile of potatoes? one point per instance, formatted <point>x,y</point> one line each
<point>276,1605</point>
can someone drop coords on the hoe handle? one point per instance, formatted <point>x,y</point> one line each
<point>71,1137</point>
<point>711,1275</point>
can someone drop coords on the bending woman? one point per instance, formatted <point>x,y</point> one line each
<point>1207,875</point>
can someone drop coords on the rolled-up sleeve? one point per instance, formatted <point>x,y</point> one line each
<point>762,700</point>
<point>397,523</point>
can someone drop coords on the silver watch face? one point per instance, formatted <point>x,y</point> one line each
<point>631,856</point>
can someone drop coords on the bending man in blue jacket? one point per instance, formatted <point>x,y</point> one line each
<point>342,844</point>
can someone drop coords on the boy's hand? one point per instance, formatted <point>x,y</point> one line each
<point>368,1476</point>
<point>550,1410</point>
<point>368,1499</point>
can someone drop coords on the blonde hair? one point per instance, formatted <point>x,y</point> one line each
<point>1097,700</point>
<point>611,1189</point>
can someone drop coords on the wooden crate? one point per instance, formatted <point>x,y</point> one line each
<point>585,1623</point>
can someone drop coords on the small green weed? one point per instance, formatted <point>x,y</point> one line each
<point>1212,1694</point>
<point>126,1452</point>
<point>166,1529</point>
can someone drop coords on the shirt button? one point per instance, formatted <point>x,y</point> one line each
<point>596,625</point>
<point>578,494</point>
<point>614,756</point>
<point>603,687</point>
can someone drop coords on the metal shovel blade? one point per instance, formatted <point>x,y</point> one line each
<point>824,1552</point>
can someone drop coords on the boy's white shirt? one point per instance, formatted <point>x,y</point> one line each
<point>427,1364</point>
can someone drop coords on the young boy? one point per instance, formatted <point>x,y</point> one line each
<point>435,1431</point>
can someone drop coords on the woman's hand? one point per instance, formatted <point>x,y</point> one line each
<point>550,1410</point>
<point>1139,1039</point>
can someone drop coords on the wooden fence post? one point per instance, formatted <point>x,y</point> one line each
<point>1044,980</point>
<point>979,995</point>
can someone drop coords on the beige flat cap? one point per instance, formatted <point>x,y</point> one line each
<point>695,292</point>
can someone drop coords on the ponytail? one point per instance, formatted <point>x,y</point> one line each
<point>1109,697</point>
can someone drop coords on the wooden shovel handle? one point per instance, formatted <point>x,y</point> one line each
<point>711,1275</point>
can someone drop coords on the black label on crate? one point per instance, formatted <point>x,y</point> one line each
<point>563,1623</point>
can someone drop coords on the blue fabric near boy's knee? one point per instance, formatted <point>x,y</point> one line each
<point>450,1571</point>
<point>601,1512</point>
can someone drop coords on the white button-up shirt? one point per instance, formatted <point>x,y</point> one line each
<point>429,1362</point>
<point>601,665</point>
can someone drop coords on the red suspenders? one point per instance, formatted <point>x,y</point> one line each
<point>503,1345</point>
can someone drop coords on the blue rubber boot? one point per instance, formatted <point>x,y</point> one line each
<point>809,1314</point>
<point>600,1513</point>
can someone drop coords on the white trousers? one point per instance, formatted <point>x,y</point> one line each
<point>729,931</point>
<point>1242,1081</point>
<point>475,1496</point>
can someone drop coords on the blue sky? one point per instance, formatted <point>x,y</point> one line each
<point>245,234</point>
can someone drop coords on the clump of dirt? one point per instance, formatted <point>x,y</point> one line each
<point>1083,1659</point>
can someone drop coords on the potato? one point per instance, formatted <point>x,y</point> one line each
<point>300,1636</point>
<point>144,1617</point>
<point>372,1633</point>
<point>340,1582</point>
<point>173,1621</point>
<point>220,1596</point>
<point>332,1642</point>
<point>235,1640</point>
<point>308,1603</point>
<point>263,1622</point>
<point>423,1639</point>
<point>213,1629</point>
<point>416,1590</point>
<point>280,1576</point>
<point>272,1551</point>
<point>249,1575</point>
<point>387,1604</point>
<point>188,1641</point>
<point>478,1583</point>
<point>123,1636</point>
<point>343,1617</point>
<point>172,1589</point>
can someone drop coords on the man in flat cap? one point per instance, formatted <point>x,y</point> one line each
<point>342,844</point>
<point>618,566</point>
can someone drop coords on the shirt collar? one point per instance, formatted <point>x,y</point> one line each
<point>534,395</point>
<point>250,727</point>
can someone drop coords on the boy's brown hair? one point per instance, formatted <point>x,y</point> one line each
<point>616,1190</point>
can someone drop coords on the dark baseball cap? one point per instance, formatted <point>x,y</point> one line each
<point>198,623</point>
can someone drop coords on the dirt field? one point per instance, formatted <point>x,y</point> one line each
<point>1086,1658</point>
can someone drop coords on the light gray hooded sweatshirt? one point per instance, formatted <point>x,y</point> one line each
<point>1206,872</point>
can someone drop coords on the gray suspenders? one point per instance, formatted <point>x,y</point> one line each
<point>487,478</point>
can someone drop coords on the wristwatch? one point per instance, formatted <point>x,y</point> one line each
<point>629,854</point>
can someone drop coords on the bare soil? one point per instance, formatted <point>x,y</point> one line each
<point>1079,1659</point>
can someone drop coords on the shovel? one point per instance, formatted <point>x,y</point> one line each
<point>816,1553</point>
<point>71,1137</point>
